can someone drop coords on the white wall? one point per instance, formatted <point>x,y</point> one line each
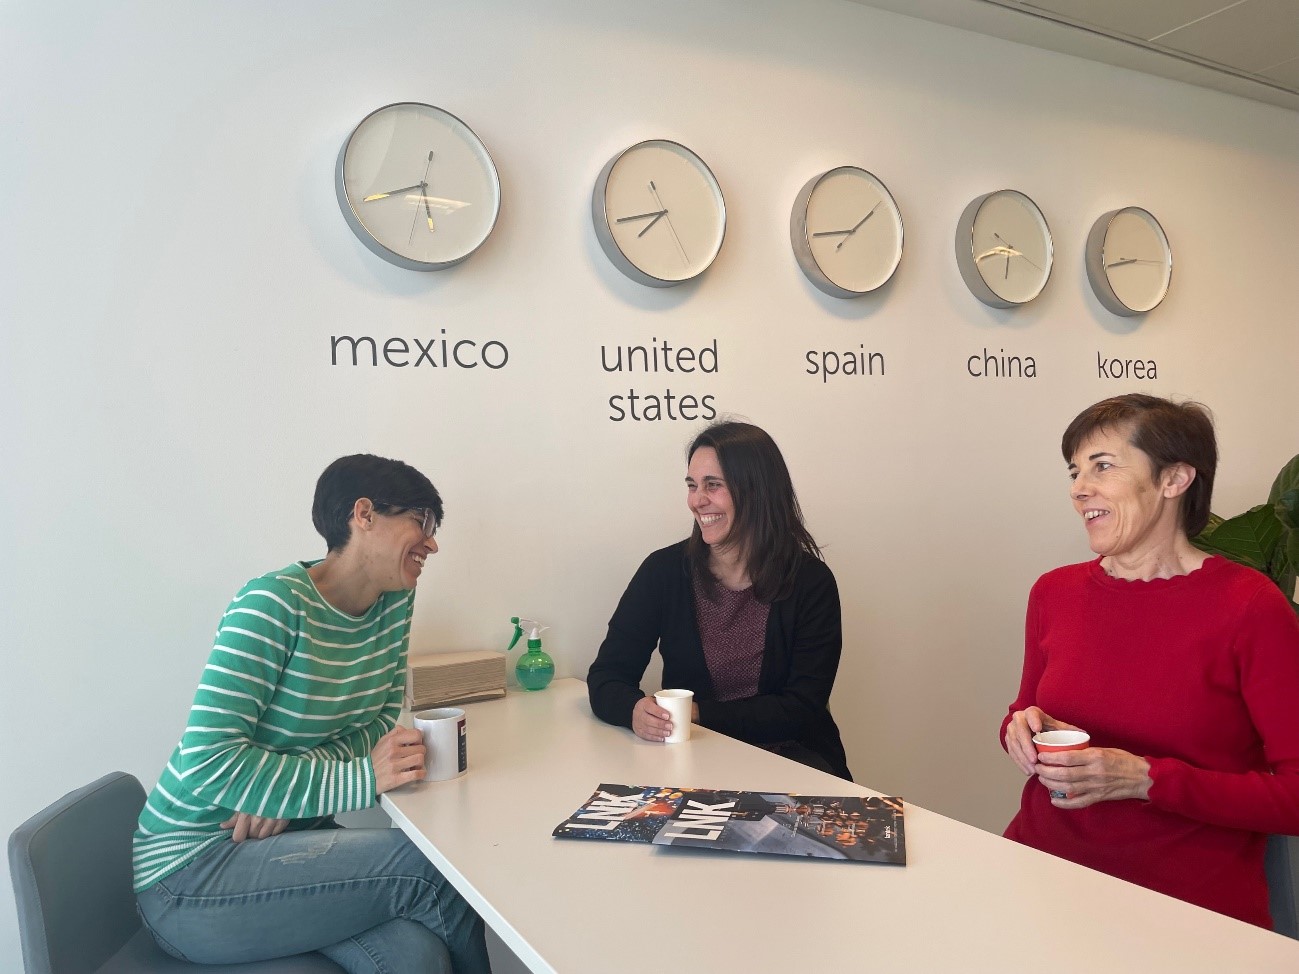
<point>173,262</point>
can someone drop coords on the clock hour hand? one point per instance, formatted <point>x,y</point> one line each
<point>832,233</point>
<point>428,212</point>
<point>656,214</point>
<point>392,192</point>
<point>1132,260</point>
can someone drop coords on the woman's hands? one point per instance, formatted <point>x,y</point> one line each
<point>253,826</point>
<point>1019,736</point>
<point>652,723</point>
<point>1094,774</point>
<point>398,759</point>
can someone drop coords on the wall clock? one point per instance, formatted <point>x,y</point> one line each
<point>658,213</point>
<point>1004,249</point>
<point>846,232</point>
<point>417,186</point>
<point>1129,261</point>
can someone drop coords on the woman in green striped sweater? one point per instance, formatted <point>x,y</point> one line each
<point>236,856</point>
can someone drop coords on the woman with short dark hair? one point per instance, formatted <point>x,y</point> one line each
<point>745,613</point>
<point>1183,668</point>
<point>236,856</point>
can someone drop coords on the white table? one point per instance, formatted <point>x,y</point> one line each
<point>967,900</point>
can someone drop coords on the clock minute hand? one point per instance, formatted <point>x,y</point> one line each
<point>1012,252</point>
<point>654,191</point>
<point>857,226</point>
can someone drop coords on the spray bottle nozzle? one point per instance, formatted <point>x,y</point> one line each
<point>534,635</point>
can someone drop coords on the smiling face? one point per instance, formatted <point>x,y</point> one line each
<point>708,496</point>
<point>398,549</point>
<point>1128,511</point>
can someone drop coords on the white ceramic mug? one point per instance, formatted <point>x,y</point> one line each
<point>445,742</point>
<point>678,704</point>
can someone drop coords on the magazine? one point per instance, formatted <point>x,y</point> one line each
<point>852,827</point>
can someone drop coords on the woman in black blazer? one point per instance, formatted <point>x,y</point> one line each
<point>744,612</point>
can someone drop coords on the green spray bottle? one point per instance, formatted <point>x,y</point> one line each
<point>534,669</point>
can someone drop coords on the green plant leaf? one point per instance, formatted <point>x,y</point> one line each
<point>1214,523</point>
<point>1287,479</point>
<point>1251,538</point>
<point>1286,507</point>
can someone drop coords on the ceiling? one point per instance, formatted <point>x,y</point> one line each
<point>1245,47</point>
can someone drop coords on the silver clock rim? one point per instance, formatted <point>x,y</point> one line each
<point>604,232</point>
<point>1098,277</point>
<point>363,233</point>
<point>965,256</point>
<point>802,244</point>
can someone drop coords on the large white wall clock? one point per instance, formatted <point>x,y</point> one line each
<point>1129,261</point>
<point>1004,249</point>
<point>658,213</point>
<point>417,186</point>
<point>846,232</point>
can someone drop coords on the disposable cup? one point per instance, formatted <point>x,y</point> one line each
<point>1047,742</point>
<point>1061,740</point>
<point>678,704</point>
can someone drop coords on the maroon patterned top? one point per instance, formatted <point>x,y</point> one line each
<point>733,630</point>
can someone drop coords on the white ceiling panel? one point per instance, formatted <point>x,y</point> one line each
<point>1286,74</point>
<point>1250,36</point>
<point>1143,20</point>
<point>1245,47</point>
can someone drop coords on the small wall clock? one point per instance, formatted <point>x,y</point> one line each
<point>1129,261</point>
<point>1004,248</point>
<point>658,213</point>
<point>417,186</point>
<point>846,232</point>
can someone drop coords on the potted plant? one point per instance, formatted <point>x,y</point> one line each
<point>1265,537</point>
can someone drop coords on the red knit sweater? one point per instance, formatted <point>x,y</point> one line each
<point>1198,674</point>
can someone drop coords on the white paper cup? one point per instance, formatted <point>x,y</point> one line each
<point>445,752</point>
<point>678,704</point>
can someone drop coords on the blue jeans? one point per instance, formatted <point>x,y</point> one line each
<point>365,898</point>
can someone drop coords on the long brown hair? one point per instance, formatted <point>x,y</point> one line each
<point>768,529</point>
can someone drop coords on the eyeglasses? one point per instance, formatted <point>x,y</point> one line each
<point>427,519</point>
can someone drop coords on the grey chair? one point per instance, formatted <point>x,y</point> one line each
<point>1282,865</point>
<point>71,868</point>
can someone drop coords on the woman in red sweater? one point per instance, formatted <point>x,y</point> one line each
<point>1183,668</point>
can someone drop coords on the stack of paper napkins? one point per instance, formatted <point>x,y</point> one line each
<point>435,679</point>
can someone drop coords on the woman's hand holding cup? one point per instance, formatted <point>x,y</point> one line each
<point>649,721</point>
<point>397,759</point>
<point>1019,736</point>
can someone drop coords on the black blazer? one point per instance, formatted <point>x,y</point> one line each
<point>799,661</point>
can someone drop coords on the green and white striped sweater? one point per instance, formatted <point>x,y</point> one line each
<point>294,697</point>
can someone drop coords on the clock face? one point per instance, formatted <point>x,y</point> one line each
<point>1129,261</point>
<point>846,232</point>
<point>417,186</point>
<point>659,213</point>
<point>1004,250</point>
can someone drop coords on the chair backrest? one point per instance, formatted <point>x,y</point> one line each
<point>1282,865</point>
<point>71,869</point>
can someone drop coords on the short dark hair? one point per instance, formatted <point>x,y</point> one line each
<point>391,485</point>
<point>1168,432</point>
<point>768,528</point>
